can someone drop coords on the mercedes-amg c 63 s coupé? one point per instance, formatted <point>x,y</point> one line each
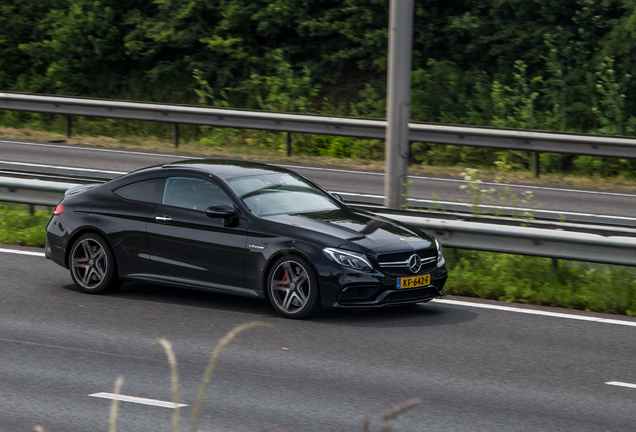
<point>241,228</point>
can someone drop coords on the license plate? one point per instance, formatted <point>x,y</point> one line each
<point>414,282</point>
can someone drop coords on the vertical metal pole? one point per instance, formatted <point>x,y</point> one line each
<point>175,126</point>
<point>537,167</point>
<point>175,134</point>
<point>288,143</point>
<point>555,264</point>
<point>68,125</point>
<point>398,101</point>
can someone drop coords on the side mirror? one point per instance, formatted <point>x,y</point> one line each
<point>338,197</point>
<point>221,211</point>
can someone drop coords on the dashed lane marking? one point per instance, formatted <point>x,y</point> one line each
<point>621,384</point>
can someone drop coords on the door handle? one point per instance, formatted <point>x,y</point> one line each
<point>163,219</point>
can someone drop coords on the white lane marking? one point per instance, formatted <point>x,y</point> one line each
<point>328,169</point>
<point>143,401</point>
<point>530,187</point>
<point>71,147</point>
<point>621,384</point>
<point>554,212</point>
<point>21,252</point>
<point>485,206</point>
<point>62,167</point>
<point>537,312</point>
<point>418,177</point>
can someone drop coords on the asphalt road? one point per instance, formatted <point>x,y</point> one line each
<point>474,369</point>
<point>571,204</point>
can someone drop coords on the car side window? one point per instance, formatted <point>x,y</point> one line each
<point>192,193</point>
<point>146,190</point>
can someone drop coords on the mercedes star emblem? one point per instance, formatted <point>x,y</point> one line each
<point>415,263</point>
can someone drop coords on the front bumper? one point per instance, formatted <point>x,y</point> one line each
<point>395,297</point>
<point>346,288</point>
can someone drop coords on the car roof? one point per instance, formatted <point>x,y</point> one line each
<point>226,168</point>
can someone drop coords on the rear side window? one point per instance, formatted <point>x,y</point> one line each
<point>146,190</point>
<point>192,193</point>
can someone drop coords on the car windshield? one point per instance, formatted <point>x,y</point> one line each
<point>281,193</point>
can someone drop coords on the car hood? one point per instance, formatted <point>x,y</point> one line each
<point>357,227</point>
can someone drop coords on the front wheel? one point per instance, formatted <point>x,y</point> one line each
<point>92,265</point>
<point>292,288</point>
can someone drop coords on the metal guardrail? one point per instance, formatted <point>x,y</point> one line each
<point>30,191</point>
<point>514,139</point>
<point>492,237</point>
<point>527,241</point>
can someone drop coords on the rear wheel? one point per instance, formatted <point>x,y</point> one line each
<point>92,265</point>
<point>292,288</point>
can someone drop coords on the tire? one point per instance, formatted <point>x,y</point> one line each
<point>292,288</point>
<point>92,265</point>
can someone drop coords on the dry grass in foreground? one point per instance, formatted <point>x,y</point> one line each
<point>381,426</point>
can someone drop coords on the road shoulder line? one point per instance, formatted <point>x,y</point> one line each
<point>22,252</point>
<point>537,312</point>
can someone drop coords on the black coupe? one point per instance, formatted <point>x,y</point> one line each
<point>241,228</point>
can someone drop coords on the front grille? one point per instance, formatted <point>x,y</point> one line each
<point>402,270</point>
<point>410,295</point>
<point>403,256</point>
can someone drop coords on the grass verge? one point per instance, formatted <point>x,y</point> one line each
<point>543,281</point>
<point>19,227</point>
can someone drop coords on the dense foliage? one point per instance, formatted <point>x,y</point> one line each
<point>542,281</point>
<point>19,227</point>
<point>543,64</point>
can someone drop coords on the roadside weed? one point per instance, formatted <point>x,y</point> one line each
<point>501,198</point>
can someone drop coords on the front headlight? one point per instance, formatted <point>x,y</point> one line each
<point>348,259</point>
<point>440,254</point>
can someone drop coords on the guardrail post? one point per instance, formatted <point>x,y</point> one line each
<point>175,126</point>
<point>288,143</point>
<point>68,125</point>
<point>175,134</point>
<point>537,167</point>
<point>456,255</point>
<point>398,102</point>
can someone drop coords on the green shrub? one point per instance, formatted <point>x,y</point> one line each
<point>19,227</point>
<point>543,281</point>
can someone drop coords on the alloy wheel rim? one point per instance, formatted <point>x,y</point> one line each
<point>89,263</point>
<point>290,286</point>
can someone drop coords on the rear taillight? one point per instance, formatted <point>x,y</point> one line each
<point>58,210</point>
